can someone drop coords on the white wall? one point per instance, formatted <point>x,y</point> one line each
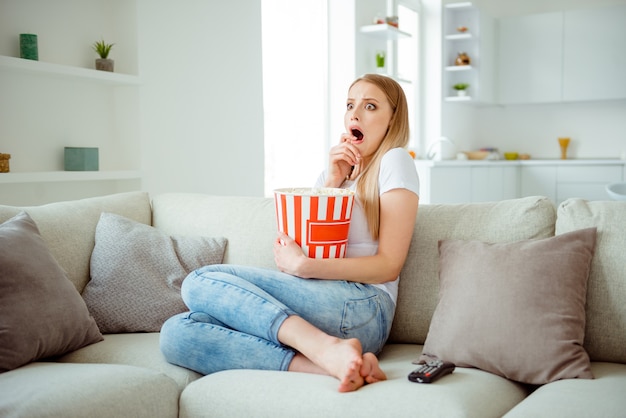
<point>597,129</point>
<point>201,96</point>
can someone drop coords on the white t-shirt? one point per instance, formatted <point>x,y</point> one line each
<point>397,171</point>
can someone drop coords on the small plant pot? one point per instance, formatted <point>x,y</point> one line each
<point>461,93</point>
<point>105,64</point>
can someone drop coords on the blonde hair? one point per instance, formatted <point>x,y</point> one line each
<point>397,136</point>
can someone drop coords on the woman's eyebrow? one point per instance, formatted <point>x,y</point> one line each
<point>364,99</point>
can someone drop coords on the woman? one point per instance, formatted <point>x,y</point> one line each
<point>325,316</point>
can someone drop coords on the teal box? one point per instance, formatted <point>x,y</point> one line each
<point>81,159</point>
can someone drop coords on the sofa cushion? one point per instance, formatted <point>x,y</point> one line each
<point>69,227</point>
<point>41,313</point>
<point>605,335</point>
<point>514,309</point>
<point>579,398</point>
<point>87,390</point>
<point>503,221</point>
<point>136,273</point>
<point>139,349</point>
<point>464,393</point>
<point>251,227</point>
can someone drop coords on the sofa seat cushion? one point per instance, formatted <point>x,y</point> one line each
<point>140,349</point>
<point>605,333</point>
<point>94,390</point>
<point>466,392</point>
<point>579,398</point>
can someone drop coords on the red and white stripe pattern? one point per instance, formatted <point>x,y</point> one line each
<point>319,223</point>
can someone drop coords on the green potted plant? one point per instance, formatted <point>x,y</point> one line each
<point>380,61</point>
<point>104,63</point>
<point>460,88</point>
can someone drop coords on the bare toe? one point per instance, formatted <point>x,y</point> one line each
<point>370,370</point>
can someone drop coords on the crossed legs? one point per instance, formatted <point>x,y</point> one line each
<point>321,353</point>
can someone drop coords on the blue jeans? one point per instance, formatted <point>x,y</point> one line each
<point>236,311</point>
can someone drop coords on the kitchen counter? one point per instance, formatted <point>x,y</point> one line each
<point>474,163</point>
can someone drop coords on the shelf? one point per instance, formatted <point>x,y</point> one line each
<point>462,5</point>
<point>23,66</point>
<point>384,32</point>
<point>458,99</point>
<point>458,68</point>
<point>62,176</point>
<point>459,37</point>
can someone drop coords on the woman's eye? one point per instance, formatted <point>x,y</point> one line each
<point>370,106</point>
<point>349,106</point>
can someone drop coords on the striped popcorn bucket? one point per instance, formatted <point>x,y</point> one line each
<point>318,219</point>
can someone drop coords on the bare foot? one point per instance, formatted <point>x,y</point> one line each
<point>370,370</point>
<point>344,361</point>
<point>336,357</point>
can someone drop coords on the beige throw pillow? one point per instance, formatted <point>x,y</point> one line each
<point>136,273</point>
<point>514,309</point>
<point>605,333</point>
<point>41,312</point>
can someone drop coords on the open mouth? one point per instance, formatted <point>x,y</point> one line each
<point>358,134</point>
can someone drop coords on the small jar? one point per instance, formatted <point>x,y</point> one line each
<point>4,163</point>
<point>462,59</point>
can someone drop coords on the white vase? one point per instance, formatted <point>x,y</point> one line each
<point>461,93</point>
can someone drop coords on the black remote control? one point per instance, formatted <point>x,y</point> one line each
<point>431,371</point>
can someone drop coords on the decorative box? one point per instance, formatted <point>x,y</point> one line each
<point>81,159</point>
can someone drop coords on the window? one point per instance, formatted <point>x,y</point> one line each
<point>299,108</point>
<point>295,62</point>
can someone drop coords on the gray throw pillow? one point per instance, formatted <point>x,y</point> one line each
<point>41,312</point>
<point>136,273</point>
<point>514,309</point>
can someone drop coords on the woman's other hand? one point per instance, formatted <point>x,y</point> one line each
<point>342,158</point>
<point>288,255</point>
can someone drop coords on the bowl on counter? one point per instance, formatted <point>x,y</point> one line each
<point>511,155</point>
<point>476,155</point>
<point>617,191</point>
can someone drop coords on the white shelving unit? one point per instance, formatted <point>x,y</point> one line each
<point>476,42</point>
<point>62,100</point>
<point>44,69</point>
<point>383,38</point>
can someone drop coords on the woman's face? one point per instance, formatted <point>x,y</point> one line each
<point>367,118</point>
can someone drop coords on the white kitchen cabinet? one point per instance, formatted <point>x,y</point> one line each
<point>451,185</point>
<point>491,183</point>
<point>477,41</point>
<point>455,181</point>
<point>461,182</point>
<point>570,179</point>
<point>586,181</point>
<point>530,58</point>
<point>538,180</point>
<point>593,56</point>
<point>572,55</point>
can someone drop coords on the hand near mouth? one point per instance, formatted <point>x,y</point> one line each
<point>343,157</point>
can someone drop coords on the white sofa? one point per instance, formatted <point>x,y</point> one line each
<point>125,374</point>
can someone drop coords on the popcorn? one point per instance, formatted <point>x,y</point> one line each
<point>318,219</point>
